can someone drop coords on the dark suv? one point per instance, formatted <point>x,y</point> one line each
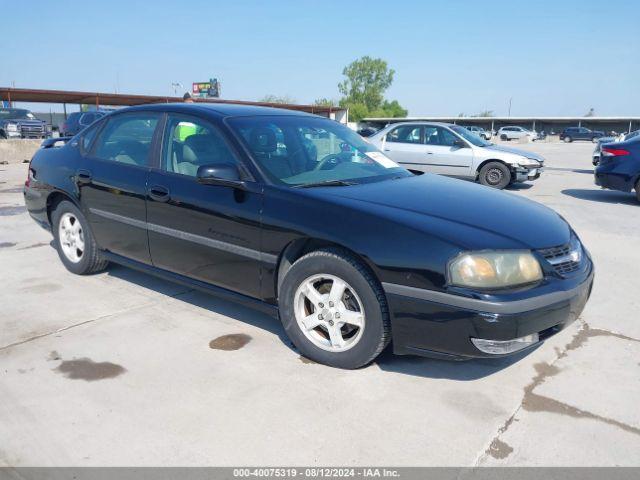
<point>21,123</point>
<point>78,121</point>
<point>580,133</point>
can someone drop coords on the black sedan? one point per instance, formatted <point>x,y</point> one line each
<point>300,217</point>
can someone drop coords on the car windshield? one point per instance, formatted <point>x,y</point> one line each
<point>470,136</point>
<point>304,151</point>
<point>16,113</point>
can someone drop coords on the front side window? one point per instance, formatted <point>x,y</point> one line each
<point>439,136</point>
<point>190,143</point>
<point>304,150</point>
<point>127,138</point>
<point>470,136</point>
<point>404,134</point>
<point>88,136</point>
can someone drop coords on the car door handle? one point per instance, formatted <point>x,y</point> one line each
<point>159,193</point>
<point>83,177</point>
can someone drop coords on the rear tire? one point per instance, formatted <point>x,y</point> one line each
<point>568,139</point>
<point>594,139</point>
<point>74,241</point>
<point>638,190</point>
<point>334,309</point>
<point>495,175</point>
<point>504,138</point>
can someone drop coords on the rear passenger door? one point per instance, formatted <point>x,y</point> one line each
<point>112,183</point>
<point>209,233</point>
<point>403,144</point>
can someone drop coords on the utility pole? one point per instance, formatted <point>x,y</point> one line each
<point>510,98</point>
<point>175,86</point>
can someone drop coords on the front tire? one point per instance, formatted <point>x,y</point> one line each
<point>334,309</point>
<point>504,138</point>
<point>638,190</point>
<point>594,139</point>
<point>74,241</point>
<point>495,175</point>
<point>568,139</point>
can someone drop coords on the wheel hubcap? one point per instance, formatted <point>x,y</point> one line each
<point>494,176</point>
<point>329,313</point>
<point>71,237</point>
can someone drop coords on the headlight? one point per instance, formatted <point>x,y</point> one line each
<point>494,269</point>
<point>12,127</point>
<point>528,162</point>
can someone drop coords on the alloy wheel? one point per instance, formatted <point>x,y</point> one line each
<point>329,312</point>
<point>71,237</point>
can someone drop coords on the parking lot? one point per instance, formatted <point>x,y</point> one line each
<point>121,368</point>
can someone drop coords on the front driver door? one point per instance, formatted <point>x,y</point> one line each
<point>112,182</point>
<point>447,158</point>
<point>209,233</point>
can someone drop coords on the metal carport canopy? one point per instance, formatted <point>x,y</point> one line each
<point>117,99</point>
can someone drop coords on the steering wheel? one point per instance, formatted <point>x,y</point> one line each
<point>332,159</point>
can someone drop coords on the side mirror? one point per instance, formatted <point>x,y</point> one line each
<point>460,143</point>
<point>224,174</point>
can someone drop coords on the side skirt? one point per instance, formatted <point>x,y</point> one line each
<point>219,292</point>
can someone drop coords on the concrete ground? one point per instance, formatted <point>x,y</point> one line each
<point>120,368</point>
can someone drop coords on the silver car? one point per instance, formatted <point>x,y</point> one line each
<point>454,151</point>
<point>479,131</point>
<point>516,133</point>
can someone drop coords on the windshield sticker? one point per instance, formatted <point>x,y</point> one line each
<point>382,159</point>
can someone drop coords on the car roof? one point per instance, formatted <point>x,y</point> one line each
<point>216,109</point>
<point>439,124</point>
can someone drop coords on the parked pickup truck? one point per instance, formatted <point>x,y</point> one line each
<point>21,123</point>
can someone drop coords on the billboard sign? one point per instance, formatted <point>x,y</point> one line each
<point>206,89</point>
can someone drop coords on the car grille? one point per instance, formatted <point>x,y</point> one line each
<point>31,129</point>
<point>565,259</point>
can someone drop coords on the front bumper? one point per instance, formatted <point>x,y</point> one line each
<point>522,174</point>
<point>442,325</point>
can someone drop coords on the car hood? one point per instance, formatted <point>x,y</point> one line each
<point>470,215</point>
<point>23,121</point>
<point>515,151</point>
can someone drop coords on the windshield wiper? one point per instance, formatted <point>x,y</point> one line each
<point>327,183</point>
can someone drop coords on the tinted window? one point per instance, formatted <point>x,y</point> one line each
<point>300,150</point>
<point>190,143</point>
<point>405,134</point>
<point>87,119</point>
<point>88,136</point>
<point>127,138</point>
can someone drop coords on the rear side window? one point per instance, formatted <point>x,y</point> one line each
<point>87,119</point>
<point>127,138</point>
<point>405,134</point>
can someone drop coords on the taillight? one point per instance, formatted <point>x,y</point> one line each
<point>31,174</point>
<point>614,152</point>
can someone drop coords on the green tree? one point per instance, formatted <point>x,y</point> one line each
<point>277,99</point>
<point>366,81</point>
<point>326,102</point>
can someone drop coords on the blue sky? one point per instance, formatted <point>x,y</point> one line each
<point>450,57</point>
